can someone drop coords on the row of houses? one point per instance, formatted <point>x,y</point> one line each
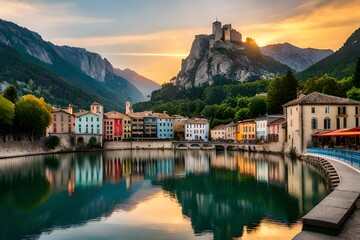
<point>116,126</point>
<point>303,123</point>
<point>315,119</point>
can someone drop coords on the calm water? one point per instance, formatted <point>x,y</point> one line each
<point>156,195</point>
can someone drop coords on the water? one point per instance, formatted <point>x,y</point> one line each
<point>156,195</point>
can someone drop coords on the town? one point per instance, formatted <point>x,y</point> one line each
<point>310,120</point>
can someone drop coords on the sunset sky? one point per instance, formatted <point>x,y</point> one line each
<point>152,36</point>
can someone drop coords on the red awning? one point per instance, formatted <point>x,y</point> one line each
<point>339,133</point>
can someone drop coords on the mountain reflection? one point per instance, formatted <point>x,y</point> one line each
<point>221,192</point>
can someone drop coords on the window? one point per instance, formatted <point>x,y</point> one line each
<point>337,123</point>
<point>326,109</point>
<point>69,128</point>
<point>80,119</point>
<point>313,110</point>
<point>61,118</point>
<point>344,110</point>
<point>62,127</point>
<point>345,123</point>
<point>290,111</point>
<point>92,119</point>
<point>313,123</point>
<point>356,122</point>
<point>339,110</point>
<point>327,123</point>
<point>54,117</point>
<point>87,119</point>
<point>356,110</point>
<point>54,127</point>
<point>69,118</point>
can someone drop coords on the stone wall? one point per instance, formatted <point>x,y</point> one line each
<point>139,145</point>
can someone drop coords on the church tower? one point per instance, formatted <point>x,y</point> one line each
<point>216,30</point>
<point>128,108</point>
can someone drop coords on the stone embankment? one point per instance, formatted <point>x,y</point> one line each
<point>335,214</point>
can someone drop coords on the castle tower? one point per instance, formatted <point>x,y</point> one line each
<point>128,108</point>
<point>227,32</point>
<point>216,30</point>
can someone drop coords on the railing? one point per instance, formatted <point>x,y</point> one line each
<point>349,157</point>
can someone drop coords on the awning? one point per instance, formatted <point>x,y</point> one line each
<point>339,133</point>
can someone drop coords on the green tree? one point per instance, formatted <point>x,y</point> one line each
<point>354,93</point>
<point>7,113</point>
<point>242,114</point>
<point>281,90</point>
<point>243,102</point>
<point>11,93</point>
<point>324,84</point>
<point>356,78</point>
<point>257,106</point>
<point>32,116</point>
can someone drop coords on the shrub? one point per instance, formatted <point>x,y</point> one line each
<point>93,143</point>
<point>52,142</point>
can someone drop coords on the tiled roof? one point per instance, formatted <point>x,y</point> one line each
<point>196,120</point>
<point>321,99</point>
<point>56,110</point>
<point>247,120</point>
<point>115,115</point>
<point>96,103</point>
<point>82,113</point>
<point>277,121</point>
<point>219,127</point>
<point>232,124</point>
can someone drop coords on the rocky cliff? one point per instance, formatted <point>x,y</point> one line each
<point>239,62</point>
<point>84,69</point>
<point>296,58</point>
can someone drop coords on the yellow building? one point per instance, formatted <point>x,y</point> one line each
<point>246,130</point>
<point>317,112</point>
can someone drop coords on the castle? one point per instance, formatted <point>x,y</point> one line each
<point>225,33</point>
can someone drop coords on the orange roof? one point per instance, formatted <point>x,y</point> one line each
<point>339,132</point>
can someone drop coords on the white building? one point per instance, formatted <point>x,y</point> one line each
<point>261,126</point>
<point>197,129</point>
<point>231,130</point>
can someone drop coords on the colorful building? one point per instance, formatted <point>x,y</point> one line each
<point>165,126</point>
<point>179,127</point>
<point>276,130</point>
<point>246,130</point>
<point>137,125</point>
<point>197,129</point>
<point>63,121</point>
<point>231,130</point>
<point>113,126</point>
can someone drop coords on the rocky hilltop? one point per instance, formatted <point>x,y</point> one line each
<point>296,58</point>
<point>241,61</point>
<point>79,67</point>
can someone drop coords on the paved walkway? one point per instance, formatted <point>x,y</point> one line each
<point>350,181</point>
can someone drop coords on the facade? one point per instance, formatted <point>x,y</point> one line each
<point>179,127</point>
<point>218,132</point>
<point>88,123</point>
<point>126,127</point>
<point>150,126</point>
<point>137,125</point>
<point>246,130</point>
<point>63,121</point>
<point>316,112</point>
<point>276,130</point>
<point>113,126</point>
<point>231,130</point>
<point>197,129</point>
<point>165,126</point>
<point>261,126</point>
<point>97,108</point>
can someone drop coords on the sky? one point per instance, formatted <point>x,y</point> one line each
<point>152,37</point>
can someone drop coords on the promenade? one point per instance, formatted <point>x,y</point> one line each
<point>336,204</point>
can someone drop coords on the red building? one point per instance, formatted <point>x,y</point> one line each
<point>113,125</point>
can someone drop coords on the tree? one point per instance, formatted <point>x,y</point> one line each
<point>356,79</point>
<point>32,116</point>
<point>257,106</point>
<point>11,93</point>
<point>242,114</point>
<point>354,93</point>
<point>324,84</point>
<point>7,113</point>
<point>281,90</point>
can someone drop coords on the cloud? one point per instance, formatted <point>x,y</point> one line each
<point>44,15</point>
<point>318,23</point>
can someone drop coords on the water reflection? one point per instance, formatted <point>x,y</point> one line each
<point>228,194</point>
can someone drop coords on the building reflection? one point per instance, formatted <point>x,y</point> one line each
<point>220,191</point>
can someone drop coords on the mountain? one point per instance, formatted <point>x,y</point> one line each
<point>340,64</point>
<point>145,85</point>
<point>75,66</point>
<point>296,58</point>
<point>240,62</point>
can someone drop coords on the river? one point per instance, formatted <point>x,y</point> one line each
<point>156,194</point>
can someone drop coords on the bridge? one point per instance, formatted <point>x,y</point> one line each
<point>196,145</point>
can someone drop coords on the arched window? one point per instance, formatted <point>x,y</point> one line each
<point>327,123</point>
<point>314,123</point>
